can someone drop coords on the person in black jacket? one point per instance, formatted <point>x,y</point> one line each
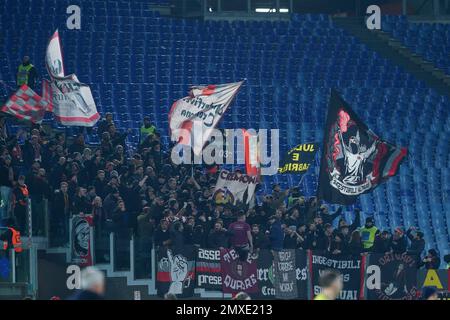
<point>260,239</point>
<point>315,238</point>
<point>121,226</point>
<point>130,193</point>
<point>31,151</point>
<point>291,238</point>
<point>104,123</point>
<point>431,260</point>
<point>60,211</point>
<point>145,231</point>
<point>6,183</point>
<point>39,189</point>
<point>218,238</point>
<point>20,205</point>
<point>383,243</point>
<point>58,172</point>
<point>116,137</point>
<point>100,184</point>
<point>162,234</point>
<point>355,246</point>
<point>78,144</point>
<point>338,245</point>
<point>417,243</point>
<point>329,217</point>
<point>80,204</point>
<point>177,238</point>
<point>294,218</point>
<point>398,242</point>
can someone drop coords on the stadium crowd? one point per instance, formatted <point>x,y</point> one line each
<point>141,192</point>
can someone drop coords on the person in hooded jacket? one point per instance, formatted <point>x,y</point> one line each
<point>417,243</point>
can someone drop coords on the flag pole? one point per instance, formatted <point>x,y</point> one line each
<point>301,180</point>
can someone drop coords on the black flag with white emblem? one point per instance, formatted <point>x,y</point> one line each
<point>354,159</point>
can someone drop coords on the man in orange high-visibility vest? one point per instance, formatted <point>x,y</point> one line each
<point>15,240</point>
<point>11,239</point>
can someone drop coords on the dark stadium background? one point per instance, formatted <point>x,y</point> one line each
<point>140,56</point>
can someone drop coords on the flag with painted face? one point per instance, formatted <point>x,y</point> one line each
<point>54,58</point>
<point>193,118</point>
<point>354,159</point>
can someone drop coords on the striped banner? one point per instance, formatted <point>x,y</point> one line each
<point>26,105</point>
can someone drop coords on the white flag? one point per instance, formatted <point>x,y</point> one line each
<point>199,113</point>
<point>70,100</point>
<point>53,58</point>
<point>73,104</point>
<point>231,187</point>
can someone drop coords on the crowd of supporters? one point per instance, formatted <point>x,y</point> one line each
<point>141,192</point>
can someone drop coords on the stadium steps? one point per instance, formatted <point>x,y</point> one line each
<point>121,285</point>
<point>13,291</point>
<point>394,50</point>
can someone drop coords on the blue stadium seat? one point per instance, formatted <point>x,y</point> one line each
<point>138,62</point>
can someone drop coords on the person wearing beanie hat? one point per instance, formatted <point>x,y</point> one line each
<point>429,293</point>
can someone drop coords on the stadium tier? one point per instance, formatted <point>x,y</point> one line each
<point>138,63</point>
<point>430,40</point>
<point>100,194</point>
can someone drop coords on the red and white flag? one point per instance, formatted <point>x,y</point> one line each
<point>54,58</point>
<point>198,114</point>
<point>70,100</point>
<point>26,105</point>
<point>251,152</point>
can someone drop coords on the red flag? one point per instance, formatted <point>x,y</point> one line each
<point>26,104</point>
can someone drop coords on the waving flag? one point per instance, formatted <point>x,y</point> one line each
<point>70,100</point>
<point>199,113</point>
<point>234,187</point>
<point>26,105</point>
<point>354,159</point>
<point>53,58</point>
<point>299,159</point>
